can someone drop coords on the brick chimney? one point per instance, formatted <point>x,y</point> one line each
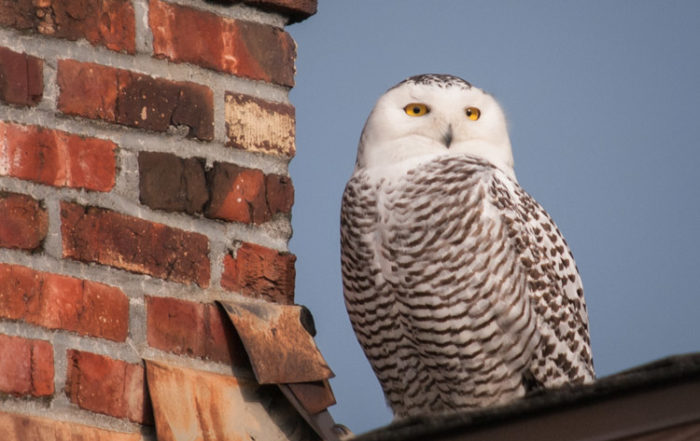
<point>144,147</point>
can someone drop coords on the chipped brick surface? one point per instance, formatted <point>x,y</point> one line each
<point>21,78</point>
<point>26,366</point>
<point>237,194</point>
<point>246,49</point>
<point>258,125</point>
<point>261,272</point>
<point>135,100</point>
<point>168,182</point>
<point>57,158</point>
<point>108,386</point>
<point>193,329</point>
<point>23,222</point>
<point>103,236</point>
<point>247,195</point>
<point>16,427</point>
<point>108,23</point>
<point>60,302</point>
<point>296,10</point>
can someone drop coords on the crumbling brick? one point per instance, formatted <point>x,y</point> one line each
<point>108,23</point>
<point>262,126</point>
<point>257,271</point>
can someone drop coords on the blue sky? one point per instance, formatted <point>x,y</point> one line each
<point>603,103</point>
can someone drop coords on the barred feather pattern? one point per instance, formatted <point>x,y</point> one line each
<point>460,288</point>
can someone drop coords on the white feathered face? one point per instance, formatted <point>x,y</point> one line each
<point>431,115</point>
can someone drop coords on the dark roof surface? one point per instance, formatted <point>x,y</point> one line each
<point>650,397</point>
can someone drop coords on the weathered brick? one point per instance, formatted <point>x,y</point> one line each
<point>246,49</point>
<point>237,194</point>
<point>92,234</point>
<point>280,194</point>
<point>135,100</point>
<point>60,302</point>
<point>257,271</point>
<point>16,427</point>
<point>57,158</point>
<point>26,366</point>
<point>296,10</point>
<point>21,78</point>
<point>258,125</point>
<point>168,182</point>
<point>192,329</point>
<point>108,23</point>
<point>23,222</point>
<point>108,386</point>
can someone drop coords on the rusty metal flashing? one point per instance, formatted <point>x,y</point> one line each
<point>279,347</point>
<point>279,343</point>
<point>314,396</point>
<point>190,404</point>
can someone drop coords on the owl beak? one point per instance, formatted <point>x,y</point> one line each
<point>447,137</point>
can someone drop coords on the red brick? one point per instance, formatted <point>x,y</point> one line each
<point>279,193</point>
<point>260,126</point>
<point>135,100</point>
<point>16,427</point>
<point>192,329</point>
<point>21,78</point>
<point>246,49</point>
<point>261,272</point>
<point>108,23</point>
<point>237,194</point>
<point>92,234</point>
<point>26,366</point>
<point>60,302</point>
<point>23,222</point>
<point>168,182</point>
<point>57,158</point>
<point>108,386</point>
<point>296,10</point>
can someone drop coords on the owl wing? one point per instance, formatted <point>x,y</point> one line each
<point>368,298</point>
<point>553,285</point>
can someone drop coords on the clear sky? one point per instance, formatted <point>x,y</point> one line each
<point>603,102</point>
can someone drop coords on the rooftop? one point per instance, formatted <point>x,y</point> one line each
<point>651,402</point>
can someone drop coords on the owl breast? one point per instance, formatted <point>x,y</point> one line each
<point>434,291</point>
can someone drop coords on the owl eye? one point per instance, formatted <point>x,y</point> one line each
<point>416,109</point>
<point>473,113</point>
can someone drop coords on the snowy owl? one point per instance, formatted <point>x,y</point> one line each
<point>459,286</point>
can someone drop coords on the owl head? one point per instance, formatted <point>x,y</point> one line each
<point>431,115</point>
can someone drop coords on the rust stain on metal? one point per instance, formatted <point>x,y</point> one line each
<point>191,405</point>
<point>314,396</point>
<point>279,348</point>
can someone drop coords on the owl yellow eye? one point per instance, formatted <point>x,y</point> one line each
<point>473,113</point>
<point>416,109</point>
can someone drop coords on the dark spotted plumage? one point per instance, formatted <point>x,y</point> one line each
<point>460,288</point>
<point>439,80</point>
